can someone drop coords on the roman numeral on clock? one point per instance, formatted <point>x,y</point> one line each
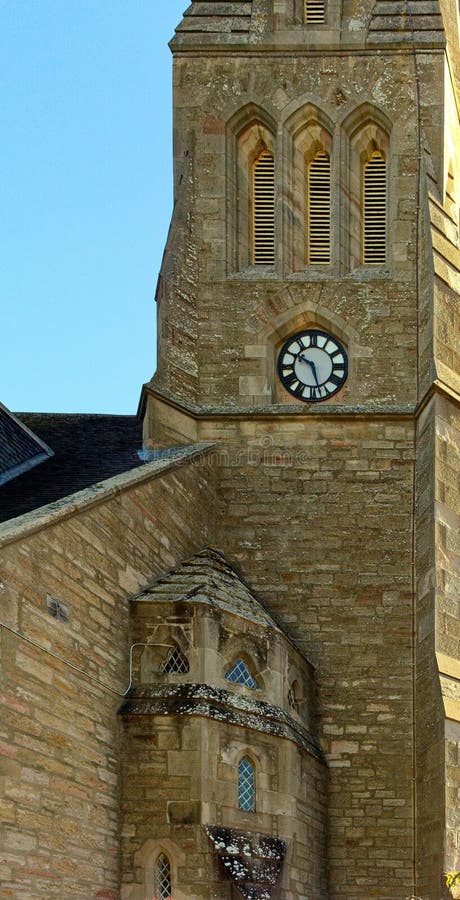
<point>335,379</point>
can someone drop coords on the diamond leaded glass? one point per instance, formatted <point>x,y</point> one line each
<point>246,786</point>
<point>240,674</point>
<point>175,663</point>
<point>163,878</point>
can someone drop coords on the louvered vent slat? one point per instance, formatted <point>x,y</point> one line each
<point>319,210</point>
<point>264,210</point>
<point>374,210</point>
<point>314,12</point>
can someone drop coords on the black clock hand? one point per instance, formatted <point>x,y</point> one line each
<point>313,368</point>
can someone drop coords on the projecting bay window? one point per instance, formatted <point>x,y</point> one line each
<point>314,12</point>
<point>374,210</point>
<point>318,206</point>
<point>263,210</point>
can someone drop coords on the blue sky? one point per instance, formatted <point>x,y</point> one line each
<point>85,198</point>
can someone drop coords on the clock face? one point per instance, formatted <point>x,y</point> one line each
<point>313,365</point>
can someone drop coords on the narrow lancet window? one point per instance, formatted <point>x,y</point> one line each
<point>314,12</point>
<point>163,878</point>
<point>246,785</point>
<point>263,210</point>
<point>374,210</point>
<point>319,210</point>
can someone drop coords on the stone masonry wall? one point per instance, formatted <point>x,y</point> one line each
<point>62,683</point>
<point>447,516</point>
<point>195,761</point>
<point>429,725</point>
<point>243,315</point>
<point>316,515</point>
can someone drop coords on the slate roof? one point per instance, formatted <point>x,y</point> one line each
<point>20,449</point>
<point>408,21</point>
<point>87,449</point>
<point>215,19</point>
<point>208,578</point>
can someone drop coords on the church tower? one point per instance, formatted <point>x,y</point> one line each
<point>308,323</point>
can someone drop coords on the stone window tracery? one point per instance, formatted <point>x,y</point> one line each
<point>246,785</point>
<point>239,673</point>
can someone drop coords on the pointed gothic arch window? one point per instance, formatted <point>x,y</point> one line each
<point>318,208</point>
<point>175,662</point>
<point>163,887</point>
<point>239,673</point>
<point>246,785</point>
<point>367,239</point>
<point>263,209</point>
<point>251,165</point>
<point>374,206</point>
<point>309,201</point>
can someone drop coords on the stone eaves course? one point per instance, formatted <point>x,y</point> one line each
<point>222,706</point>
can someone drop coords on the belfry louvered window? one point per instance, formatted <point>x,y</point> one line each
<point>319,210</point>
<point>374,210</point>
<point>314,12</point>
<point>263,210</point>
<point>163,878</point>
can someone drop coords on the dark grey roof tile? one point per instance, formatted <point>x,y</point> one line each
<point>20,449</point>
<point>87,449</point>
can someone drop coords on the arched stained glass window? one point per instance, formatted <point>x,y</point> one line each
<point>175,663</point>
<point>239,673</point>
<point>246,785</point>
<point>163,878</point>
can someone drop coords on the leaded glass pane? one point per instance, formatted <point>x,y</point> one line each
<point>240,674</point>
<point>246,786</point>
<point>163,878</point>
<point>175,663</point>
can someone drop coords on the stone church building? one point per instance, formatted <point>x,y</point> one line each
<point>231,625</point>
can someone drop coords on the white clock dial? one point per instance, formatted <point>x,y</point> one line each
<point>313,365</point>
